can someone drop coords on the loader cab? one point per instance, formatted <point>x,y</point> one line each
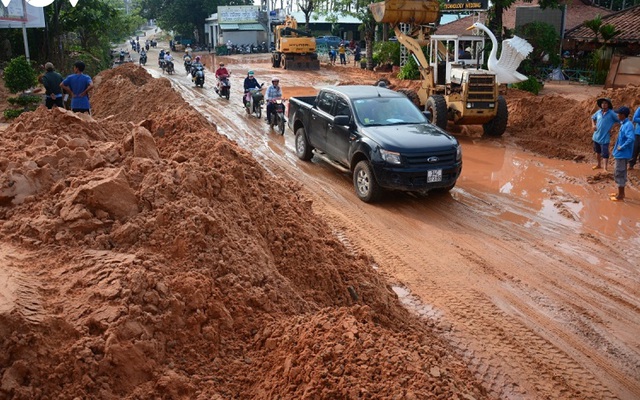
<point>454,51</point>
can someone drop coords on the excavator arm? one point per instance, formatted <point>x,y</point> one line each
<point>288,31</point>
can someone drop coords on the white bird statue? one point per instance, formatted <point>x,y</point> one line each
<point>514,50</point>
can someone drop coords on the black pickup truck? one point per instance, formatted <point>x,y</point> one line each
<point>377,134</point>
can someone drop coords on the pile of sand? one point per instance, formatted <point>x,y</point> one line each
<point>145,256</point>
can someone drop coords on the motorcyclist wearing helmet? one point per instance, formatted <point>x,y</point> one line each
<point>250,82</point>
<point>274,92</point>
<point>196,65</point>
<point>221,73</point>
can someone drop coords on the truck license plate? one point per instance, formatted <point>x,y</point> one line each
<point>434,175</point>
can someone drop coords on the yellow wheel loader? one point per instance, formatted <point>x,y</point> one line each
<point>453,87</point>
<point>294,49</point>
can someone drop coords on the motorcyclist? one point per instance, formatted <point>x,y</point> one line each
<point>221,72</point>
<point>143,56</point>
<point>274,92</point>
<point>250,82</point>
<point>196,65</point>
<point>161,58</point>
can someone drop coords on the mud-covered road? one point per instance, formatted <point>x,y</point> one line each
<point>526,269</point>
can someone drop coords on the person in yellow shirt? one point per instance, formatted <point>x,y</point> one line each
<point>342,52</point>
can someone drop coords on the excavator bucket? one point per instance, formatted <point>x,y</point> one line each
<point>415,12</point>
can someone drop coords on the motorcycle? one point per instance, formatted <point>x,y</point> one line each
<point>168,67</point>
<point>277,115</point>
<point>224,86</point>
<point>161,63</point>
<point>253,101</point>
<point>187,64</point>
<point>143,59</point>
<point>197,76</point>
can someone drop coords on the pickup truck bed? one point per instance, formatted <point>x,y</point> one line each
<point>379,135</point>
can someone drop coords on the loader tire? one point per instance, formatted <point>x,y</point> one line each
<point>437,106</point>
<point>411,95</point>
<point>497,126</point>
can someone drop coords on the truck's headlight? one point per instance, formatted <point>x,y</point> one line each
<point>390,156</point>
<point>459,153</point>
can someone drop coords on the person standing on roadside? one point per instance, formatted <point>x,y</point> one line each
<point>636,143</point>
<point>622,151</point>
<point>342,52</point>
<point>356,56</point>
<point>602,121</point>
<point>78,85</point>
<point>51,81</point>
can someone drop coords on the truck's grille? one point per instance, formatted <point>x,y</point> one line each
<point>442,158</point>
<point>481,87</point>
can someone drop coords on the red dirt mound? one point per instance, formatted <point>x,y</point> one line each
<point>146,256</point>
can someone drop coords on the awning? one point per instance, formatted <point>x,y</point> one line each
<point>241,27</point>
<point>251,27</point>
<point>229,27</point>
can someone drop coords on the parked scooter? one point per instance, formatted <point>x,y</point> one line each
<point>253,101</point>
<point>224,86</point>
<point>277,116</point>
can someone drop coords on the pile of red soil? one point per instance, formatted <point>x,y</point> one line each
<point>145,256</point>
<point>558,126</point>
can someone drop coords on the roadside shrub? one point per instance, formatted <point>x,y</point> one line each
<point>530,85</point>
<point>409,70</point>
<point>19,75</point>
<point>386,52</point>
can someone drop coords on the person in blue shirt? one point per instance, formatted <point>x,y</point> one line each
<point>78,85</point>
<point>636,143</point>
<point>274,92</point>
<point>622,151</point>
<point>602,122</point>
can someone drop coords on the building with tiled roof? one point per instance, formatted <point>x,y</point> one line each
<point>576,13</point>
<point>626,21</point>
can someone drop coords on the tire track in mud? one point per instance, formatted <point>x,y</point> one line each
<point>527,314</point>
<point>507,340</point>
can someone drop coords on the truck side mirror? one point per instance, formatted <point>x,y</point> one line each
<point>342,120</point>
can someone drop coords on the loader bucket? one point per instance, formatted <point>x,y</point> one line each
<point>415,12</point>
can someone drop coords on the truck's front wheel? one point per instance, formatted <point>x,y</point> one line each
<point>437,106</point>
<point>303,150</point>
<point>367,188</point>
<point>498,124</point>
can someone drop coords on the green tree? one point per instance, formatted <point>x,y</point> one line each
<point>497,9</point>
<point>601,58</point>
<point>544,39</point>
<point>184,17</point>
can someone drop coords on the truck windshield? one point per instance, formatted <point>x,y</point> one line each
<point>381,111</point>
